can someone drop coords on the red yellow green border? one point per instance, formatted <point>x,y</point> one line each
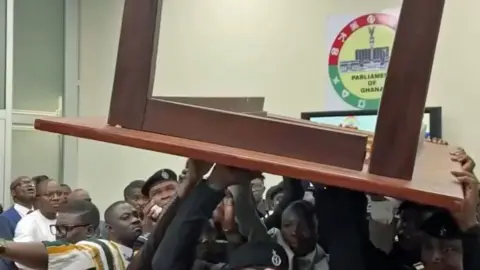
<point>335,49</point>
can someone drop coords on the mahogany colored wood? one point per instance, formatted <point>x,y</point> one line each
<point>406,86</point>
<point>233,104</point>
<point>136,59</point>
<point>432,183</point>
<point>138,39</point>
<point>275,144</point>
<point>289,139</point>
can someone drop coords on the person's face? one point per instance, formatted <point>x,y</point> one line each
<point>125,224</point>
<point>441,254</point>
<point>65,192</point>
<point>298,232</point>
<point>24,190</point>
<point>70,228</point>
<point>137,199</point>
<point>276,199</point>
<point>49,196</point>
<point>258,188</point>
<point>409,235</point>
<point>162,192</point>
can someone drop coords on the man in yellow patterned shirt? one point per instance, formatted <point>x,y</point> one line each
<point>76,248</point>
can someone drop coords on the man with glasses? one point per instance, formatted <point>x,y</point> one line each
<point>36,226</point>
<point>76,221</point>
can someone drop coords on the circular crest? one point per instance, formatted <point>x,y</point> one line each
<point>359,58</point>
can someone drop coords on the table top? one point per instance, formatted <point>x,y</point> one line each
<point>432,182</point>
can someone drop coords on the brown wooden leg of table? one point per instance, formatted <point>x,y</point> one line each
<point>135,70</point>
<point>405,92</point>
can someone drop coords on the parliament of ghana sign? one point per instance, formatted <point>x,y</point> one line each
<point>359,57</point>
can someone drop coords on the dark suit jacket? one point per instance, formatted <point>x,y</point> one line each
<point>8,222</point>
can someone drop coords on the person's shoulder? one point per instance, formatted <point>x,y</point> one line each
<point>98,243</point>
<point>273,232</point>
<point>93,241</point>
<point>8,212</point>
<point>32,216</point>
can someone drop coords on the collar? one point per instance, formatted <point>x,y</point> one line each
<point>22,210</point>
<point>317,255</point>
<point>126,251</point>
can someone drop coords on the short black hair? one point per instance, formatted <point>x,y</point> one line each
<point>65,185</point>
<point>303,207</point>
<point>128,190</point>
<point>274,190</point>
<point>87,211</point>
<point>408,205</point>
<point>108,213</point>
<point>39,179</point>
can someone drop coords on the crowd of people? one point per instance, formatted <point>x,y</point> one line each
<point>220,217</point>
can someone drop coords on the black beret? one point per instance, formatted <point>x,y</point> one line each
<point>259,254</point>
<point>441,225</point>
<point>162,175</point>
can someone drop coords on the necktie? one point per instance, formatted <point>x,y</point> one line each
<point>29,211</point>
<point>295,263</point>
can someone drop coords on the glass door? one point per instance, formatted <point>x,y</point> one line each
<point>38,82</point>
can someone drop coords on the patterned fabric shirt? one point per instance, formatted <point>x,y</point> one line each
<point>96,254</point>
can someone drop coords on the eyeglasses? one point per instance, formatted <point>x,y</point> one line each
<point>51,195</point>
<point>62,230</point>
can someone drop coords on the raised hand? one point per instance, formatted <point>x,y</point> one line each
<point>224,176</point>
<point>460,156</point>
<point>196,169</point>
<point>466,217</point>
<point>152,211</point>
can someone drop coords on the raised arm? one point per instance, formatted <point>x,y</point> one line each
<point>249,223</point>
<point>177,249</point>
<point>293,191</point>
<point>142,260</point>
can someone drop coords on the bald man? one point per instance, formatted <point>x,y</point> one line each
<point>79,194</point>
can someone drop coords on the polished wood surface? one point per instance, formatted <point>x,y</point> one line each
<point>136,60</point>
<point>432,183</point>
<point>405,92</point>
<point>305,141</point>
<point>276,144</point>
<point>232,104</point>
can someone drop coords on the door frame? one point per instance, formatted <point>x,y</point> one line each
<point>68,104</point>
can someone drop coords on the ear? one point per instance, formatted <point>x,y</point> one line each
<point>108,227</point>
<point>92,231</point>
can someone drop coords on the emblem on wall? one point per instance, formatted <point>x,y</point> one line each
<point>359,58</point>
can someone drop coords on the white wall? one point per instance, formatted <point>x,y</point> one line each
<point>271,48</point>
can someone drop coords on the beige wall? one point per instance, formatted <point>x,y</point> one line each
<point>271,48</point>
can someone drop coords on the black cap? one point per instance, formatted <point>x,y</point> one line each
<point>162,175</point>
<point>263,254</point>
<point>441,225</point>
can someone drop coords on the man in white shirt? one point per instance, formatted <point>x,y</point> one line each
<point>36,226</point>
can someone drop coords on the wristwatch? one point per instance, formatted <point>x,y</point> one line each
<point>3,245</point>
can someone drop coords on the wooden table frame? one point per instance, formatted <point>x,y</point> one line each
<point>236,131</point>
